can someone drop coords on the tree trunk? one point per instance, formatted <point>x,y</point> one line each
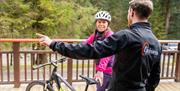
<point>39,58</point>
<point>168,15</point>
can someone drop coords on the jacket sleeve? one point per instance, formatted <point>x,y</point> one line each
<point>154,77</point>
<point>99,49</point>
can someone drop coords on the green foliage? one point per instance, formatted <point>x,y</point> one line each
<point>60,19</point>
<point>75,18</point>
<point>158,20</point>
<point>174,32</point>
<point>119,10</point>
<point>12,19</point>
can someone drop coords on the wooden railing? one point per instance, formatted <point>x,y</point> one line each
<point>16,64</point>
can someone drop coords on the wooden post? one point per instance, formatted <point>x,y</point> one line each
<point>177,74</point>
<point>69,70</point>
<point>16,56</point>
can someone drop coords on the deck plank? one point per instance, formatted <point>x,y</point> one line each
<point>163,86</point>
<point>168,86</point>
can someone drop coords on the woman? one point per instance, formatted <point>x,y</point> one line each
<point>103,65</point>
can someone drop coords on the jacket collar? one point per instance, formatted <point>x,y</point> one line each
<point>141,25</point>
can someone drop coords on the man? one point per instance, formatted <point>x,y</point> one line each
<point>137,50</point>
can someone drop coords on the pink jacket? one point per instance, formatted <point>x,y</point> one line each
<point>103,62</point>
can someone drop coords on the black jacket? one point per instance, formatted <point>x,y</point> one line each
<point>137,61</point>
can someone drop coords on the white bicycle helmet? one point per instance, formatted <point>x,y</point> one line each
<point>103,15</point>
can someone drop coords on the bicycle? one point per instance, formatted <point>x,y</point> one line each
<point>56,78</point>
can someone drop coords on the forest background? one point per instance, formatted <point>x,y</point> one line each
<point>74,19</point>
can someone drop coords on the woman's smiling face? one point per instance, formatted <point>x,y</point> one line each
<point>101,25</point>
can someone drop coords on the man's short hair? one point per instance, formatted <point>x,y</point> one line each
<point>143,8</point>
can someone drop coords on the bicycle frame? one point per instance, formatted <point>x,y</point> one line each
<point>57,78</point>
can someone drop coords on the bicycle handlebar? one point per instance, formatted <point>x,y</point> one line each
<point>88,80</point>
<point>52,62</point>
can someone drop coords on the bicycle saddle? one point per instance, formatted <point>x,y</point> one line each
<point>88,80</point>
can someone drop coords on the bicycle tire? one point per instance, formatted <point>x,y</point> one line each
<point>38,83</point>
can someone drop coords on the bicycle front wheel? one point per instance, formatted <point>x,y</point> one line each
<point>38,86</point>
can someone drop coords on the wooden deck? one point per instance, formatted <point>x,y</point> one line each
<point>168,86</point>
<point>164,86</point>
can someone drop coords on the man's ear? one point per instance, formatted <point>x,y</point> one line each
<point>132,14</point>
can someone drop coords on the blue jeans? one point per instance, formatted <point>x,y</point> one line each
<point>106,80</point>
